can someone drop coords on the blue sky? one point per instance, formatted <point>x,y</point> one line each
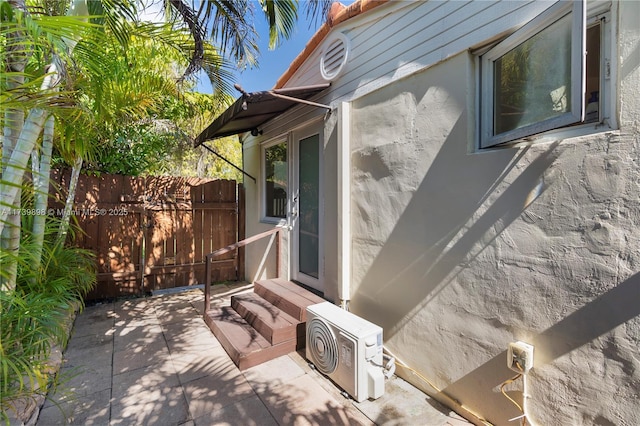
<point>273,63</point>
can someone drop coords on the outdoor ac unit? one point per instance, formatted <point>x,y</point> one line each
<point>346,348</point>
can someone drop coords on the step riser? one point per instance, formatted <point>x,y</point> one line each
<point>263,325</point>
<point>267,354</point>
<point>273,335</point>
<point>240,356</point>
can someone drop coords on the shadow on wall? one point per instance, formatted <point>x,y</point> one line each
<point>603,314</point>
<point>462,205</point>
<point>441,230</point>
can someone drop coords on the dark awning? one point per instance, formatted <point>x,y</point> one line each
<point>252,110</point>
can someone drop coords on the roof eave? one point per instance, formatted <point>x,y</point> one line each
<point>338,14</point>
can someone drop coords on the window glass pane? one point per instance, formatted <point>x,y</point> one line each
<point>309,207</point>
<point>276,174</point>
<point>532,82</point>
<point>592,94</point>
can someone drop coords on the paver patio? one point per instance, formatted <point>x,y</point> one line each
<point>153,361</point>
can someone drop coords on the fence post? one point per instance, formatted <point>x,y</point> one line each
<point>241,231</point>
<point>278,244</point>
<point>207,283</point>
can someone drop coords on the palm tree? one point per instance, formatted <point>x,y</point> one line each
<point>20,135</point>
<point>230,24</point>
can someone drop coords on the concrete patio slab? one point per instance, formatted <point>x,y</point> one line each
<point>131,336</point>
<point>140,381</point>
<point>302,401</point>
<point>138,356</point>
<point>153,361</point>
<point>250,412</point>
<point>195,365</point>
<point>273,373</point>
<point>83,381</point>
<point>401,405</point>
<point>93,409</point>
<point>158,406</point>
<point>214,392</point>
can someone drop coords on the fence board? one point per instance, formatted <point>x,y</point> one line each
<point>153,233</point>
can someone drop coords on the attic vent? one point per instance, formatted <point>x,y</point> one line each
<point>334,57</point>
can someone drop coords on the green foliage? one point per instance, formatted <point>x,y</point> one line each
<point>132,151</point>
<point>282,16</point>
<point>34,314</point>
<point>199,162</point>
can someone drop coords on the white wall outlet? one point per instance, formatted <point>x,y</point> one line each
<point>520,357</point>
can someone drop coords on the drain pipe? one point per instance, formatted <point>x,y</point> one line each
<point>344,204</point>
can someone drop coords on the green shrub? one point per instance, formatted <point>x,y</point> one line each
<point>33,316</point>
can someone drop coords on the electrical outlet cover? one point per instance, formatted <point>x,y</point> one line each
<point>520,357</point>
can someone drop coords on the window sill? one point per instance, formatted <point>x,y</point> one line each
<point>556,135</point>
<point>278,221</point>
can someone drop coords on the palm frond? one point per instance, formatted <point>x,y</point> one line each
<point>232,29</point>
<point>281,16</point>
<point>317,10</point>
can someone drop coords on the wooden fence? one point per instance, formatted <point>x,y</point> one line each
<point>154,233</point>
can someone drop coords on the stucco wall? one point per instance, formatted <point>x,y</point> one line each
<point>457,253</point>
<point>330,207</point>
<point>260,257</point>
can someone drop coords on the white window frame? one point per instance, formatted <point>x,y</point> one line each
<point>263,180</point>
<point>578,12</point>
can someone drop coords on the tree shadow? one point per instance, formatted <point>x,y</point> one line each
<point>611,309</point>
<point>440,232</point>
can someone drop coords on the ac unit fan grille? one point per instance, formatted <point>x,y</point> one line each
<point>323,346</point>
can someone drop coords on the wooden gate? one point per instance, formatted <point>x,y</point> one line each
<point>154,233</point>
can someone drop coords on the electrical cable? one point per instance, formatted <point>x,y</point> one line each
<point>505,383</point>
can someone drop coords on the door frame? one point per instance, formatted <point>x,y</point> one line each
<point>315,128</point>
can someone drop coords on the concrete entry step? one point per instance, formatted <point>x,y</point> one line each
<point>263,325</point>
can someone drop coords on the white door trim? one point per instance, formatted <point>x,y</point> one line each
<point>298,135</point>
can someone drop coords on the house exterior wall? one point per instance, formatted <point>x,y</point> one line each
<point>457,253</point>
<point>260,256</point>
<point>401,37</point>
<point>417,45</point>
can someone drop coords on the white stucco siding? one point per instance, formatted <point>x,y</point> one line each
<point>260,256</point>
<point>457,253</point>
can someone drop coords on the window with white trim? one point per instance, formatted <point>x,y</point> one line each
<point>276,178</point>
<point>550,74</point>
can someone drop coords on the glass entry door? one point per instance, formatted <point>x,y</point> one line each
<point>307,209</point>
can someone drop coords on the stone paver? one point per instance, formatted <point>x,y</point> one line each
<point>153,361</point>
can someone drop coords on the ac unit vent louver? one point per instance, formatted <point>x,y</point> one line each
<point>334,57</point>
<point>324,350</point>
<point>347,349</point>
